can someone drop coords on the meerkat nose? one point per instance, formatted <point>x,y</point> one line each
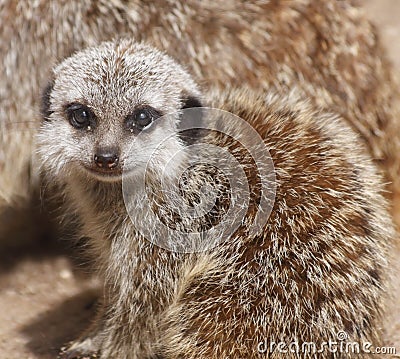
<point>106,158</point>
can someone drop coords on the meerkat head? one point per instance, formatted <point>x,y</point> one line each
<point>106,103</point>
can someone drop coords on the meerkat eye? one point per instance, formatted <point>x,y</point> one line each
<point>79,116</point>
<point>141,118</point>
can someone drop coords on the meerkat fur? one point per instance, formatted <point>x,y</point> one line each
<point>318,266</point>
<point>327,49</point>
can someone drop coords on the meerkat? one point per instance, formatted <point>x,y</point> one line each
<point>316,266</point>
<point>325,48</point>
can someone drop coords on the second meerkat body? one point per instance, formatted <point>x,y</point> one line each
<point>317,267</point>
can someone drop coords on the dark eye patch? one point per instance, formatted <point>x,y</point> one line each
<point>45,104</point>
<point>141,118</point>
<point>80,116</point>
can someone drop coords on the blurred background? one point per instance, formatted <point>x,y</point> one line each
<point>386,15</point>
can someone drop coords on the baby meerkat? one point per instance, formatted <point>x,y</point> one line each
<point>114,117</point>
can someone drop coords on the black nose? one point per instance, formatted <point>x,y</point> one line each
<point>106,159</point>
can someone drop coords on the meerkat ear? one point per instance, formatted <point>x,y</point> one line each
<point>191,123</point>
<point>190,102</point>
<point>45,101</point>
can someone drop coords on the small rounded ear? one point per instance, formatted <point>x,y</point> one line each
<point>190,124</point>
<point>45,102</point>
<point>190,102</point>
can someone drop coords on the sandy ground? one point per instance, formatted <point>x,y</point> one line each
<point>46,299</point>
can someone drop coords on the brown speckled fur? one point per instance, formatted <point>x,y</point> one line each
<point>319,265</point>
<point>326,48</point>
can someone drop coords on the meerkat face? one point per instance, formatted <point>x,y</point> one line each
<point>105,107</point>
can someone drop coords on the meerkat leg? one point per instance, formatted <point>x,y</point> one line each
<point>129,337</point>
<point>217,315</point>
<point>88,345</point>
<point>190,331</point>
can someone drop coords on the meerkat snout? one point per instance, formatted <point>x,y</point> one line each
<point>106,158</point>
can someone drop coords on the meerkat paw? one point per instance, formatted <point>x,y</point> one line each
<point>86,349</point>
